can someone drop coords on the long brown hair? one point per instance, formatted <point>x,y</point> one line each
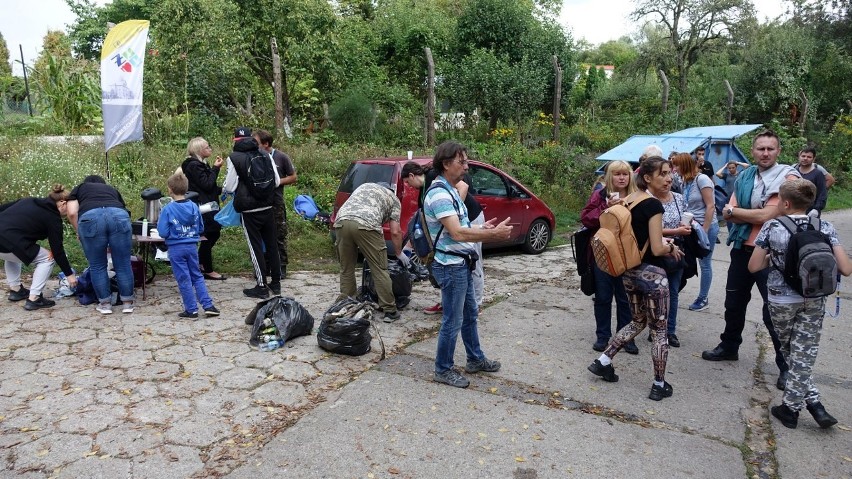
<point>58,193</point>
<point>687,168</point>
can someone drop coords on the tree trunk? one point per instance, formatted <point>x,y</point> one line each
<point>730,99</point>
<point>665,81</point>
<point>430,98</point>
<point>804,117</point>
<point>557,98</point>
<point>277,88</point>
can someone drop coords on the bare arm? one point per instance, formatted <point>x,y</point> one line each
<point>655,236</point>
<point>759,260</point>
<point>396,236</point>
<point>288,180</point>
<point>709,208</point>
<point>73,209</point>
<point>721,171</point>
<point>844,265</point>
<point>829,179</point>
<point>756,216</point>
<point>488,232</point>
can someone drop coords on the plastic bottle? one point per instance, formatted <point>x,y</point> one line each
<point>418,232</point>
<point>145,227</point>
<point>271,345</point>
<point>208,207</point>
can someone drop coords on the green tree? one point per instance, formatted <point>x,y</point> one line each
<point>688,29</point>
<point>90,28</point>
<point>195,61</point>
<point>5,66</point>
<point>507,51</point>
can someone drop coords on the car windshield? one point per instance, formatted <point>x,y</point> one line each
<point>360,173</point>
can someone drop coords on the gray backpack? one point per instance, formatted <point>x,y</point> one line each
<point>809,264</point>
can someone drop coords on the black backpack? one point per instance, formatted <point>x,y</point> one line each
<point>809,264</point>
<point>260,175</point>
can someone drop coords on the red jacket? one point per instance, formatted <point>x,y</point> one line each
<point>590,216</point>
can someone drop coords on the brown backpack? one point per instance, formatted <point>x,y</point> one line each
<point>614,245</point>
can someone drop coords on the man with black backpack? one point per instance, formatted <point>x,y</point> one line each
<point>253,178</point>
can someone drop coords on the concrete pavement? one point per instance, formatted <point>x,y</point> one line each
<point>149,395</point>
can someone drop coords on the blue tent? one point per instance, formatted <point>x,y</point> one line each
<point>718,142</point>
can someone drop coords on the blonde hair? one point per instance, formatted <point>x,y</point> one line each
<point>800,192</point>
<point>618,166</point>
<point>178,184</point>
<point>194,147</point>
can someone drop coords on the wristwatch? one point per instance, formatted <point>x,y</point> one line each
<point>730,211</point>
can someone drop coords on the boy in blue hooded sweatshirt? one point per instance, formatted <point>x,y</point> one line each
<point>180,225</point>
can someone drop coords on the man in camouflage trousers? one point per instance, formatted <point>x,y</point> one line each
<point>797,320</point>
<point>358,226</point>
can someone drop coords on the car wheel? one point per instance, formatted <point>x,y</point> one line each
<point>537,237</point>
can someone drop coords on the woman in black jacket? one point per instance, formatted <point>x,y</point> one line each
<point>202,180</point>
<point>22,224</point>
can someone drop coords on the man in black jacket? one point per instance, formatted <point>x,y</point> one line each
<point>257,218</point>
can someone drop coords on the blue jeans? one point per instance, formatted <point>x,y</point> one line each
<point>607,287</point>
<point>706,263</point>
<point>460,313</point>
<point>103,228</point>
<point>184,260</point>
<point>674,292</point>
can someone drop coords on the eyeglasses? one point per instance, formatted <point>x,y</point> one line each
<point>463,161</point>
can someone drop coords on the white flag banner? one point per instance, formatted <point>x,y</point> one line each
<point>122,61</point>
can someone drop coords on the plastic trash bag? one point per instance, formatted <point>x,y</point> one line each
<point>345,327</point>
<point>400,281</point>
<point>289,317</point>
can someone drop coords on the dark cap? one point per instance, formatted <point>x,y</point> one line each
<point>242,132</point>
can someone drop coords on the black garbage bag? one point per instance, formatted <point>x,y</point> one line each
<point>400,280</point>
<point>289,318</point>
<point>345,327</point>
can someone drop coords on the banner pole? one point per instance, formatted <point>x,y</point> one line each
<point>106,159</point>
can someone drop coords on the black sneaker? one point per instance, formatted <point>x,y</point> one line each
<point>275,288</point>
<point>259,292</point>
<point>658,393</point>
<point>719,354</point>
<point>485,365</point>
<point>452,378</point>
<point>391,317</point>
<point>821,416</point>
<point>674,341</point>
<point>39,303</point>
<point>631,348</point>
<point>21,294</point>
<point>211,311</point>
<point>188,315</point>
<point>607,373</point>
<point>787,416</point>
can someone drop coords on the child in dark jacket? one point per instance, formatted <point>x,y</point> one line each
<point>180,225</point>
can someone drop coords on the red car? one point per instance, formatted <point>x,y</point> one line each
<point>499,194</point>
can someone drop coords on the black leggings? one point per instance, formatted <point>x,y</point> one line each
<point>648,291</point>
<point>212,231</point>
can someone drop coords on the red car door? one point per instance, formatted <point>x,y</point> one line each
<point>492,190</point>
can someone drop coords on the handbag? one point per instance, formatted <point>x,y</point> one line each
<point>228,216</point>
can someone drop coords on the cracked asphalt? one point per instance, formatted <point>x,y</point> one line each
<point>151,395</point>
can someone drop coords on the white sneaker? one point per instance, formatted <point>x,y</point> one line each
<point>127,307</point>
<point>104,308</point>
